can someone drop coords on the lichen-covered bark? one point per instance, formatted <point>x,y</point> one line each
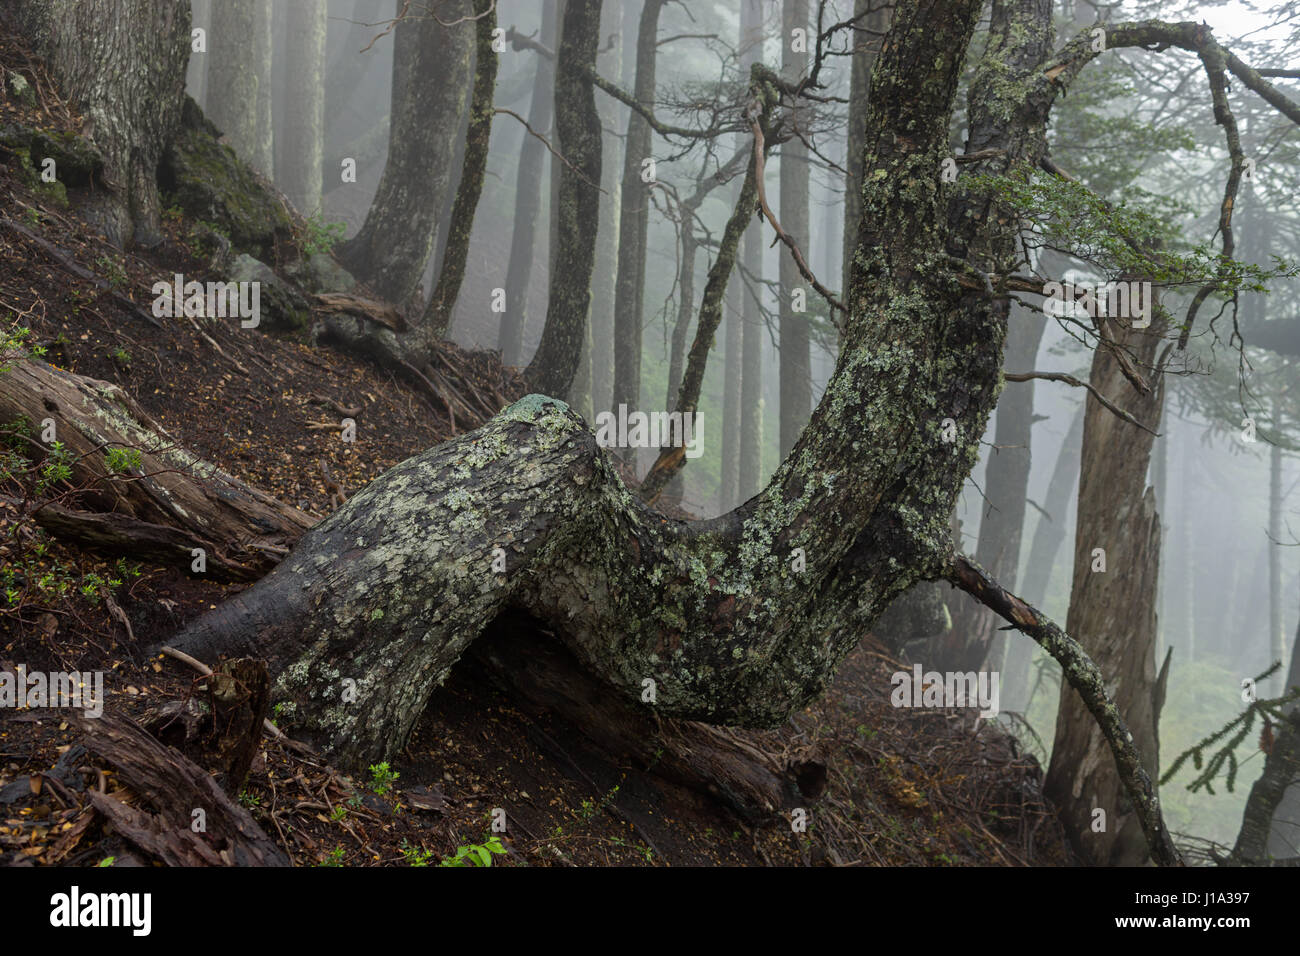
<point>629,291</point>
<point>393,586</point>
<point>122,63</point>
<point>431,83</point>
<point>437,316</point>
<point>576,212</point>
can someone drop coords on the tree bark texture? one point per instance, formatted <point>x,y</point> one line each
<point>431,82</point>
<point>303,125</point>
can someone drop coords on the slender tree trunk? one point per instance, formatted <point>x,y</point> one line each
<point>794,343</point>
<point>304,122</point>
<point>234,74</point>
<point>610,63</point>
<point>1049,535</point>
<point>262,154</point>
<point>1276,534</point>
<point>1112,611</point>
<point>528,196</point>
<point>1284,826</point>
<point>196,77</point>
<point>629,293</point>
<point>729,485</point>
<point>122,63</point>
<point>577,212</point>
<point>975,636</point>
<point>437,318</point>
<point>751,319</point>
<point>431,83</point>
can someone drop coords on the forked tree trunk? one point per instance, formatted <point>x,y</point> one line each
<point>122,63</point>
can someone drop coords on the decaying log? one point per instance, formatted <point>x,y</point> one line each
<point>174,787</point>
<point>242,531</point>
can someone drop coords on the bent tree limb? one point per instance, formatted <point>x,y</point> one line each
<point>738,620</point>
<point>1088,682</point>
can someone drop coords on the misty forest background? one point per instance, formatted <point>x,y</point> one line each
<point>1228,602</point>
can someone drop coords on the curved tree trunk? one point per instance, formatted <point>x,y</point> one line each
<point>122,63</point>
<point>431,81</point>
<point>577,212</point>
<point>741,619</point>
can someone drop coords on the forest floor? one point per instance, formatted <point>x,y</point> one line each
<point>903,787</point>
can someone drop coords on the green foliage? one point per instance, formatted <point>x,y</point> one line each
<point>122,460</point>
<point>333,858</point>
<point>55,470</point>
<point>382,778</point>
<point>415,855</point>
<point>112,271</point>
<point>476,854</point>
<point>320,235</point>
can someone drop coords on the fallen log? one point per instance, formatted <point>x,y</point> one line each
<point>242,531</point>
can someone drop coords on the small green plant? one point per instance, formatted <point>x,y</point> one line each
<point>249,799</point>
<point>333,858</point>
<point>476,854</point>
<point>121,356</point>
<point>339,813</point>
<point>33,216</point>
<point>57,468</point>
<point>321,236</point>
<point>107,861</point>
<point>382,778</point>
<point>415,855</point>
<point>112,271</point>
<point>121,460</point>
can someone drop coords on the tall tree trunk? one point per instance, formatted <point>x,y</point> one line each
<point>528,196</point>
<point>234,74</point>
<point>431,82</point>
<point>577,212</point>
<point>794,342</point>
<point>121,63</point>
<point>437,317</point>
<point>729,483</point>
<point>1276,632</point>
<point>196,76</point>
<point>1112,611</point>
<point>262,154</point>
<point>975,636</point>
<point>753,329</point>
<point>610,63</point>
<point>304,123</point>
<point>1049,535</point>
<point>629,293</point>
